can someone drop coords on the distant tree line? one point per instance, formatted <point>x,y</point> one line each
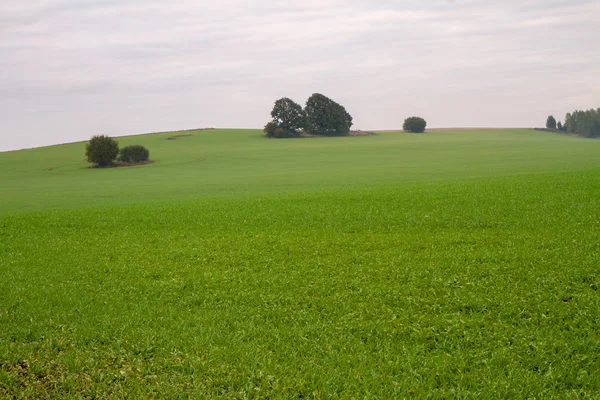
<point>581,123</point>
<point>320,116</point>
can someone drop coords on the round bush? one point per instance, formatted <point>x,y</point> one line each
<point>134,154</point>
<point>102,150</point>
<point>270,129</point>
<point>414,124</point>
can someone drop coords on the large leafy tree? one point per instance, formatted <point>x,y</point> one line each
<point>326,117</point>
<point>414,124</point>
<point>551,122</point>
<point>288,115</point>
<point>102,150</point>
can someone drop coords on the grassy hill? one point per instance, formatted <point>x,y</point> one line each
<point>233,162</point>
<point>445,264</point>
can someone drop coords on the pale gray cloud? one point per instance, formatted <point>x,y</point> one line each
<point>73,68</point>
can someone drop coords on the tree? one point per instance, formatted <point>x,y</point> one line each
<point>551,122</point>
<point>559,126</point>
<point>134,154</point>
<point>326,117</point>
<point>414,124</point>
<point>101,150</point>
<point>288,115</point>
<point>570,125</point>
<point>583,123</point>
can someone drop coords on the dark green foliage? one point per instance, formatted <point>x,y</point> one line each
<point>326,117</point>
<point>583,123</point>
<point>288,115</point>
<point>269,129</point>
<point>414,124</point>
<point>559,126</point>
<point>281,133</point>
<point>134,154</point>
<point>102,150</point>
<point>288,119</point>
<point>551,122</point>
<point>321,116</point>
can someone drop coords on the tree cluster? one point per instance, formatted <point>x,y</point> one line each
<point>320,116</point>
<point>103,150</point>
<point>583,123</point>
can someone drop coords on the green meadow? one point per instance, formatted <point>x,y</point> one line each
<point>439,265</point>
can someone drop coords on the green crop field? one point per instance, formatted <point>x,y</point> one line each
<point>439,265</point>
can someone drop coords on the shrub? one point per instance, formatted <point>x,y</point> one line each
<point>269,129</point>
<point>326,117</point>
<point>414,124</point>
<point>134,154</point>
<point>101,150</point>
<point>281,133</point>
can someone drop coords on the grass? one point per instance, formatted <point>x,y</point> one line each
<point>443,265</point>
<point>216,163</point>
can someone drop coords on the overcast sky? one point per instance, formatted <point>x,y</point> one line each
<point>70,69</point>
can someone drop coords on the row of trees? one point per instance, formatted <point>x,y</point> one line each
<point>582,123</point>
<point>320,116</point>
<point>103,150</point>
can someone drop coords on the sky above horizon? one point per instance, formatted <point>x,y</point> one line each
<point>70,69</point>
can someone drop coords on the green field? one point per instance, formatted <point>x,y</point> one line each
<point>438,265</point>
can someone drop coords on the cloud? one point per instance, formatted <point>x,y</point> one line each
<point>74,68</point>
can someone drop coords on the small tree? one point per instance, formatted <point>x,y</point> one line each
<point>559,126</point>
<point>102,150</point>
<point>551,122</point>
<point>134,154</point>
<point>269,129</point>
<point>326,117</point>
<point>414,124</point>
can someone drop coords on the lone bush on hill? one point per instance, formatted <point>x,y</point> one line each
<point>551,122</point>
<point>326,117</point>
<point>102,150</point>
<point>134,154</point>
<point>414,124</point>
